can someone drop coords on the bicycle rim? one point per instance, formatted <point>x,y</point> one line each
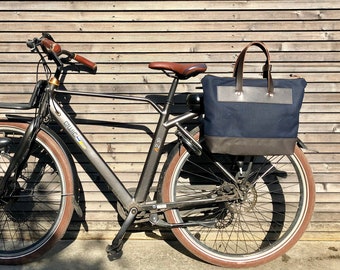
<point>39,211</point>
<point>276,208</point>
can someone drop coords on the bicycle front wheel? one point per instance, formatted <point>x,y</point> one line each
<point>252,221</point>
<point>39,210</point>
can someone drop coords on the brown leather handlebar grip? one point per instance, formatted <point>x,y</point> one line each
<point>51,45</point>
<point>85,61</point>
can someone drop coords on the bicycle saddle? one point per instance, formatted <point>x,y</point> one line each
<point>182,71</point>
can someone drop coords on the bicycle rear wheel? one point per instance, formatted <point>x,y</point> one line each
<point>255,221</point>
<point>40,208</point>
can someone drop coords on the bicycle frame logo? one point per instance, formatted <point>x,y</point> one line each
<point>75,134</point>
<point>157,144</point>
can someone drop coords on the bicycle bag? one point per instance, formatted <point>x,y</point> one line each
<point>252,116</point>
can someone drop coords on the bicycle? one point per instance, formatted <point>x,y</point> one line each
<point>227,210</point>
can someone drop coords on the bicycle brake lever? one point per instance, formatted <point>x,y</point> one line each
<point>48,36</point>
<point>32,44</point>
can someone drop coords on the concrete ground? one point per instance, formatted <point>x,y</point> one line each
<point>158,254</point>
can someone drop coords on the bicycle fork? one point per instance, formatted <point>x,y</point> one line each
<point>8,183</point>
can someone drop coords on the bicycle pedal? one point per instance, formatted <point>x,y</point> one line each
<point>113,254</point>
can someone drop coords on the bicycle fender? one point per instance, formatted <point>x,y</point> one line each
<point>76,181</point>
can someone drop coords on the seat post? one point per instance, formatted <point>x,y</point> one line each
<point>171,94</point>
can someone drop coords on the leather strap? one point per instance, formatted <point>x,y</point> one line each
<point>238,70</point>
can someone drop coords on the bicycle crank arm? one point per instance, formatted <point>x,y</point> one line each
<point>156,221</point>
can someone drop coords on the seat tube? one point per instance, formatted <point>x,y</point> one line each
<point>156,149</point>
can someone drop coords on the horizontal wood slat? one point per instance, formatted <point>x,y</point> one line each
<point>168,5</point>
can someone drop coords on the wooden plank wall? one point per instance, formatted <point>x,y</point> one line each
<point>124,36</point>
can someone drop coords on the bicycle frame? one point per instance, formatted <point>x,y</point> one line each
<point>155,151</point>
<point>44,99</point>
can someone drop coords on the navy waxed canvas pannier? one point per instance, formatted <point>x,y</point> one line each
<point>252,116</point>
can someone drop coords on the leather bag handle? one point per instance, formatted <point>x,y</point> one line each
<point>238,70</point>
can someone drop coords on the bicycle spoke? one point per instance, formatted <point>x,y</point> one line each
<point>30,217</point>
<point>262,208</point>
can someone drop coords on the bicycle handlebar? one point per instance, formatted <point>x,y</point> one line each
<point>52,46</point>
<point>85,61</point>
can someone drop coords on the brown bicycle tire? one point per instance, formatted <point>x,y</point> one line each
<point>60,226</point>
<point>167,183</point>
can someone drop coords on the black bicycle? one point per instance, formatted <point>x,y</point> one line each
<point>227,210</point>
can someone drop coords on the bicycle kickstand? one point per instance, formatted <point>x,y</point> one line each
<point>114,251</point>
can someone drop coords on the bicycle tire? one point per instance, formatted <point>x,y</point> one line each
<point>40,210</point>
<point>277,207</point>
